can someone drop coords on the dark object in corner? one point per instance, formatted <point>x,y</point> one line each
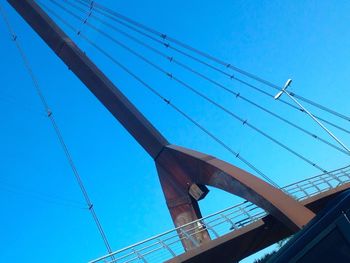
<point>325,239</point>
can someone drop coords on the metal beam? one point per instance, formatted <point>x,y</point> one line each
<point>178,168</point>
<point>109,95</point>
<point>254,237</point>
<point>182,206</point>
<point>187,167</point>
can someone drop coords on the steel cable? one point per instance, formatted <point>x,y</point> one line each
<point>164,99</point>
<point>175,61</point>
<point>56,129</point>
<point>189,87</point>
<point>188,68</point>
<point>207,56</point>
<point>231,76</point>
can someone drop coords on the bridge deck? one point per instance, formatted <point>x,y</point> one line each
<point>236,232</point>
<point>252,238</point>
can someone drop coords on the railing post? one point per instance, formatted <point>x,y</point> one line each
<point>327,182</point>
<point>314,185</point>
<point>139,255</point>
<point>302,190</point>
<point>211,229</point>
<point>247,214</point>
<point>233,225</point>
<point>167,247</point>
<point>336,178</point>
<point>189,237</point>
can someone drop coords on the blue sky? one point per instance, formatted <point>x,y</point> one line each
<point>43,215</point>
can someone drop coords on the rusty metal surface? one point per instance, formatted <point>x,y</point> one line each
<point>178,168</point>
<point>233,224</point>
<point>246,241</point>
<point>182,207</point>
<point>188,167</point>
<point>238,244</point>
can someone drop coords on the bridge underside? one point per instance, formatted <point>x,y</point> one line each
<point>246,241</point>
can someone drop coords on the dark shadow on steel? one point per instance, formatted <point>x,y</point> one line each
<point>179,168</point>
<point>183,173</point>
<point>253,237</point>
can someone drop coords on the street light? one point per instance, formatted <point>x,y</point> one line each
<point>284,90</point>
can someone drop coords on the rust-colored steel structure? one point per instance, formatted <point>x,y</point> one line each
<point>254,237</point>
<point>183,173</point>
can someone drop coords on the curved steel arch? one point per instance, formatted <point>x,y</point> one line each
<point>179,168</point>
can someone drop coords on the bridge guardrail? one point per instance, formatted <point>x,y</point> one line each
<point>169,244</point>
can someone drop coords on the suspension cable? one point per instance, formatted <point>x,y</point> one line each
<point>230,76</point>
<point>58,133</point>
<point>160,96</point>
<point>317,105</point>
<point>41,196</point>
<point>198,93</point>
<point>291,105</point>
<point>163,36</point>
<point>87,17</point>
<point>190,69</point>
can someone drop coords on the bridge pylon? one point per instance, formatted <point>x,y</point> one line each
<point>183,173</point>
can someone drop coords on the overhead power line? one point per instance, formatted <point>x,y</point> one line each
<point>58,133</point>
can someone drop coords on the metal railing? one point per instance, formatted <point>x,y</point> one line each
<point>169,244</point>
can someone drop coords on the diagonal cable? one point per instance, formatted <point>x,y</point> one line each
<point>104,10</point>
<point>201,61</point>
<point>195,72</point>
<point>56,129</point>
<point>155,92</point>
<point>195,91</point>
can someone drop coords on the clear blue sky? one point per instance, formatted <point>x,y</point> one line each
<point>43,218</point>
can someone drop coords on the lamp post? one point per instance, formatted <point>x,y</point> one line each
<point>284,90</point>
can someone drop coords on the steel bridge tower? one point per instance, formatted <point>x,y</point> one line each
<point>183,173</point>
